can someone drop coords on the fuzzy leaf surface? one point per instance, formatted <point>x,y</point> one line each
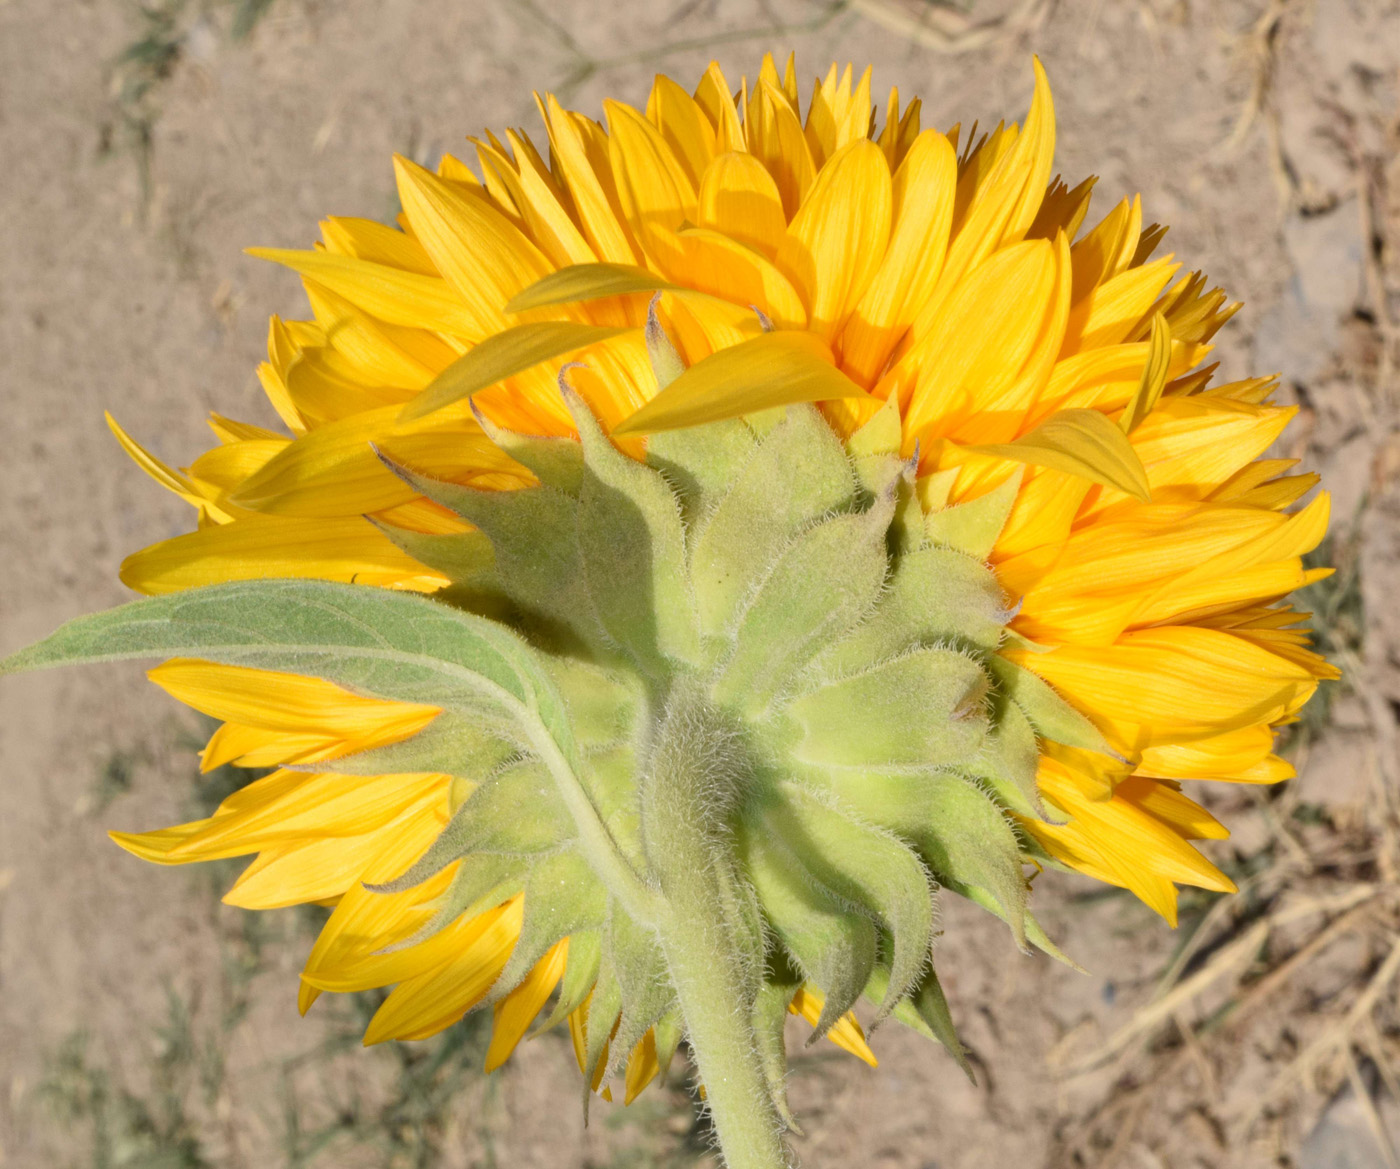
<point>797,475</point>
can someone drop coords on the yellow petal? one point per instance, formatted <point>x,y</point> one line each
<point>182,485</point>
<point>656,194</point>
<point>319,870</point>
<point>335,470</point>
<point>710,262</point>
<point>258,547</point>
<point>1173,684</point>
<point>230,430</point>
<point>1109,314</point>
<point>542,205</point>
<point>642,1067</point>
<point>846,1034</point>
<point>1154,376</point>
<point>1191,445</point>
<point>157,846</point>
<point>381,354</point>
<point>1108,249</point>
<point>1001,208</point>
<point>1084,443</point>
<point>739,198</point>
<point>775,369</point>
<point>922,200</point>
<point>323,388</point>
<point>1168,563</point>
<point>503,355</point>
<point>514,1013</point>
<point>485,258</point>
<point>429,1003</point>
<point>589,183</point>
<point>1137,837</point>
<point>776,139</point>
<point>714,96</point>
<point>683,125</point>
<point>362,945</point>
<point>587,282</point>
<point>365,239</point>
<point>1219,757</point>
<point>277,701</point>
<point>965,365</point>
<point>1062,209</point>
<point>838,238</point>
<point>396,295</point>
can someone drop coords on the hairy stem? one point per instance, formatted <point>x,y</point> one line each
<point>710,928</point>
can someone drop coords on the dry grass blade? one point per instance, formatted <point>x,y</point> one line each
<point>1262,991</point>
<point>1336,1038</point>
<point>1373,1118</point>
<point>1235,958</point>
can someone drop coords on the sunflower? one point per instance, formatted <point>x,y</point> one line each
<point>1025,395</point>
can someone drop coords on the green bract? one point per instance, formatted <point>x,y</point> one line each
<point>731,719</point>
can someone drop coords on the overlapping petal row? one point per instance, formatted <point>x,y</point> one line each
<point>950,271</point>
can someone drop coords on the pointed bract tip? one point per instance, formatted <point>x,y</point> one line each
<point>570,394</point>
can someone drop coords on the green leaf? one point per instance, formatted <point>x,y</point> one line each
<point>935,596</point>
<point>666,362</point>
<point>925,1011</point>
<point>973,527</point>
<point>881,435</point>
<point>604,1011</point>
<point>377,641</point>
<point>602,704</point>
<point>957,828</point>
<point>866,866</point>
<point>668,1032</point>
<point>877,473</point>
<point>770,1012</point>
<point>1053,717</point>
<point>700,462</point>
<point>580,973</point>
<point>586,282</point>
<point>635,960</point>
<point>1009,759</point>
<point>1080,442</point>
<point>821,586</point>
<point>1154,376</point>
<point>372,641</point>
<point>556,462</point>
<point>773,369</point>
<point>968,841</point>
<point>798,474</point>
<point>610,778</point>
<point>465,558</point>
<point>562,898</point>
<point>632,552</point>
<point>835,947</point>
<point>504,355</point>
<point>490,820</point>
<point>534,537</point>
<point>921,709</point>
<point>452,743</point>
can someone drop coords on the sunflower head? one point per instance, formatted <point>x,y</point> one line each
<point>817,521</point>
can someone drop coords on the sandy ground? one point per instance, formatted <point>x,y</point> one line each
<point>144,1025</point>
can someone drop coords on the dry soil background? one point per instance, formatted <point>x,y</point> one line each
<point>143,1025</point>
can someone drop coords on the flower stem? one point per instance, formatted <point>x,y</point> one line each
<point>710,929</point>
<point>719,1025</point>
